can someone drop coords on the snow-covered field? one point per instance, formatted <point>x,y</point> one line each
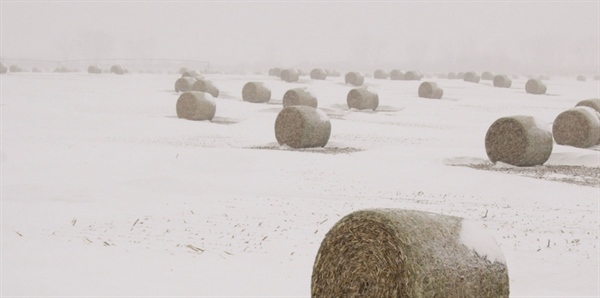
<point>105,192</point>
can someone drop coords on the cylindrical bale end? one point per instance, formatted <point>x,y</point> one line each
<point>430,90</point>
<point>535,86</point>
<point>408,253</point>
<point>203,85</point>
<point>593,103</point>
<point>299,97</point>
<point>502,81</point>
<point>302,127</point>
<point>290,75</point>
<point>578,127</point>
<point>318,74</point>
<point>362,98</point>
<point>184,84</point>
<point>196,105</point>
<point>520,141</point>
<point>380,74</point>
<point>256,92</point>
<point>354,78</point>
<point>471,77</point>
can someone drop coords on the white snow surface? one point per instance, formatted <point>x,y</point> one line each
<point>105,192</point>
<point>474,236</point>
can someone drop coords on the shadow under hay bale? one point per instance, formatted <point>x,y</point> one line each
<point>256,92</point>
<point>3,68</point>
<point>196,105</point>
<point>380,74</point>
<point>487,76</point>
<point>535,86</point>
<point>502,81</point>
<point>430,90</point>
<point>581,78</point>
<point>318,74</point>
<point>95,69</point>
<point>117,69</point>
<point>519,141</point>
<point>299,97</point>
<point>396,75</point>
<point>471,77</point>
<point>204,85</point>
<point>354,78</point>
<point>578,127</point>
<point>362,98</point>
<point>412,76</point>
<point>184,84</point>
<point>408,253</point>
<point>302,127</point>
<point>290,75</point>
<point>593,103</point>
<point>15,68</point>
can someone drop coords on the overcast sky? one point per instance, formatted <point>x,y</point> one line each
<point>533,36</point>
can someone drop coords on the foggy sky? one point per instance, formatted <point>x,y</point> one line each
<point>526,37</point>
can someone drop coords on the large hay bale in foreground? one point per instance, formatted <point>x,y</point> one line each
<point>593,103</point>
<point>487,76</point>
<point>581,78</point>
<point>299,97</point>
<point>380,74</point>
<point>519,141</point>
<point>408,253</point>
<point>290,75</point>
<point>302,127</point>
<point>196,105</point>
<point>117,69</point>
<point>354,78</point>
<point>184,84</point>
<point>256,92</point>
<point>204,85</point>
<point>362,98</point>
<point>502,81</point>
<point>94,69</point>
<point>3,68</point>
<point>430,90</point>
<point>578,127</point>
<point>471,77</point>
<point>412,76</point>
<point>396,75</point>
<point>15,68</point>
<point>318,74</point>
<point>535,86</point>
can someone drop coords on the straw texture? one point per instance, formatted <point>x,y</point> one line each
<point>577,127</point>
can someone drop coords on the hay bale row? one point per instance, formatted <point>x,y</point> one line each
<point>408,253</point>
<point>578,127</point>
<point>290,75</point>
<point>299,97</point>
<point>487,76</point>
<point>535,86</point>
<point>196,105</point>
<point>204,85</point>
<point>302,127</point>
<point>430,90</point>
<point>184,84</point>
<point>354,78</point>
<point>318,74</point>
<point>519,141</point>
<point>94,69</point>
<point>117,69</point>
<point>581,78</point>
<point>3,68</point>
<point>502,81</point>
<point>380,74</point>
<point>396,75</point>
<point>362,98</point>
<point>256,92</point>
<point>471,77</point>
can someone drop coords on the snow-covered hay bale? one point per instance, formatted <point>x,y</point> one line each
<point>502,81</point>
<point>355,78</point>
<point>430,90</point>
<point>275,72</point>
<point>593,103</point>
<point>290,75</point>
<point>3,68</point>
<point>299,97</point>
<point>94,69</point>
<point>581,78</point>
<point>362,98</point>
<point>380,74</point>
<point>117,69</point>
<point>577,127</point>
<point>535,86</point>
<point>302,127</point>
<point>471,77</point>
<point>204,85</point>
<point>519,141</point>
<point>412,76</point>
<point>256,92</point>
<point>196,105</point>
<point>184,84</point>
<point>192,73</point>
<point>487,76</point>
<point>318,74</point>
<point>396,75</point>
<point>15,68</point>
<point>408,253</point>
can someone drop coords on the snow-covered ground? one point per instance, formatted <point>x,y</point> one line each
<point>105,192</point>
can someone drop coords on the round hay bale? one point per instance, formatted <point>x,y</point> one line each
<point>196,105</point>
<point>35,69</point>
<point>502,81</point>
<point>518,140</point>
<point>581,78</point>
<point>290,75</point>
<point>380,74</point>
<point>578,127</point>
<point>117,69</point>
<point>487,76</point>
<point>430,90</point>
<point>15,68</point>
<point>471,77</point>
<point>535,86</point>
<point>396,75</point>
<point>460,76</point>
<point>183,70</point>
<point>362,98</point>
<point>256,92</point>
<point>184,84</point>
<point>302,127</point>
<point>205,86</point>
<point>3,68</point>
<point>299,97</point>
<point>191,73</point>
<point>408,253</point>
<point>318,74</point>
<point>452,76</point>
<point>94,69</point>
<point>412,76</point>
<point>593,103</point>
<point>354,78</point>
<point>275,72</point>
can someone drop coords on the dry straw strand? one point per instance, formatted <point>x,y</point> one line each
<point>196,105</point>
<point>577,127</point>
<point>302,127</point>
<point>256,92</point>
<point>362,98</point>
